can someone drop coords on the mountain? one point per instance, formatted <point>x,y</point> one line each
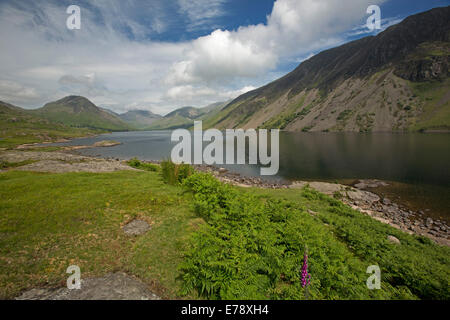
<point>185,112</point>
<point>109,111</point>
<point>140,119</point>
<point>78,111</point>
<point>19,126</point>
<point>184,117</point>
<point>395,81</point>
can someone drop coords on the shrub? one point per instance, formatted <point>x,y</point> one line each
<point>136,163</point>
<point>173,173</point>
<point>251,247</point>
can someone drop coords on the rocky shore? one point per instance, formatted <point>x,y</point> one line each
<point>357,197</point>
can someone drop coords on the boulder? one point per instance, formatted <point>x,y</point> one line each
<point>136,227</point>
<point>393,239</point>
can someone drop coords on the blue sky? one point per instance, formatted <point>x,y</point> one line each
<point>159,55</point>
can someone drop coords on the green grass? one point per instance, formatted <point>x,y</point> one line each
<point>436,110</point>
<point>51,221</point>
<point>216,241</point>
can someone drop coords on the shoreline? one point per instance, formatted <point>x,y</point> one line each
<point>357,196</point>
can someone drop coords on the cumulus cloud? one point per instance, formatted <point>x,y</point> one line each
<point>218,56</point>
<point>114,62</point>
<point>293,28</point>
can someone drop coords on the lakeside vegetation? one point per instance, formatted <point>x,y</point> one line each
<point>207,239</point>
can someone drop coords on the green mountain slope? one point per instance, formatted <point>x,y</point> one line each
<point>395,81</point>
<point>19,126</point>
<point>76,111</point>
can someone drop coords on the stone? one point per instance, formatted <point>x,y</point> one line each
<point>386,201</point>
<point>106,143</point>
<point>113,286</point>
<point>393,239</point>
<point>136,227</point>
<point>222,170</point>
<point>360,185</point>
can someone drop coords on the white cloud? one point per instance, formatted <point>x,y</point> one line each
<point>13,91</point>
<point>294,27</point>
<point>113,61</point>
<point>219,56</point>
<point>201,13</point>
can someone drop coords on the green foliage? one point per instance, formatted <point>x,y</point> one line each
<point>417,263</point>
<point>252,246</point>
<point>136,163</point>
<point>173,173</point>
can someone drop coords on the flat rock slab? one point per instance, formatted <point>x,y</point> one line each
<point>58,162</point>
<point>331,188</point>
<point>18,156</point>
<point>136,227</point>
<point>113,286</point>
<point>54,166</point>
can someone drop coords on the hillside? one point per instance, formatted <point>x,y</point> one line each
<point>139,119</point>
<point>184,117</point>
<point>19,126</point>
<point>76,111</point>
<point>395,81</point>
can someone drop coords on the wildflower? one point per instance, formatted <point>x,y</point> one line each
<point>305,279</point>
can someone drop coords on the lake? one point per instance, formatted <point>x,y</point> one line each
<point>418,162</point>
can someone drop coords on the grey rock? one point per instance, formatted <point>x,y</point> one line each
<point>222,170</point>
<point>113,286</point>
<point>393,239</point>
<point>136,227</point>
<point>360,185</point>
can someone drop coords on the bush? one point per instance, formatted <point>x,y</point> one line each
<point>173,173</point>
<point>251,247</point>
<point>136,163</point>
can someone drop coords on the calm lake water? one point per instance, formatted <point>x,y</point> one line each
<point>411,158</point>
<point>417,165</point>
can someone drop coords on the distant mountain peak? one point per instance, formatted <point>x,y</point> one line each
<point>79,111</point>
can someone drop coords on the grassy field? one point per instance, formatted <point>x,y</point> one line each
<point>51,221</point>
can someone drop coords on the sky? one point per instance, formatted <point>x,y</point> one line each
<point>159,55</point>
